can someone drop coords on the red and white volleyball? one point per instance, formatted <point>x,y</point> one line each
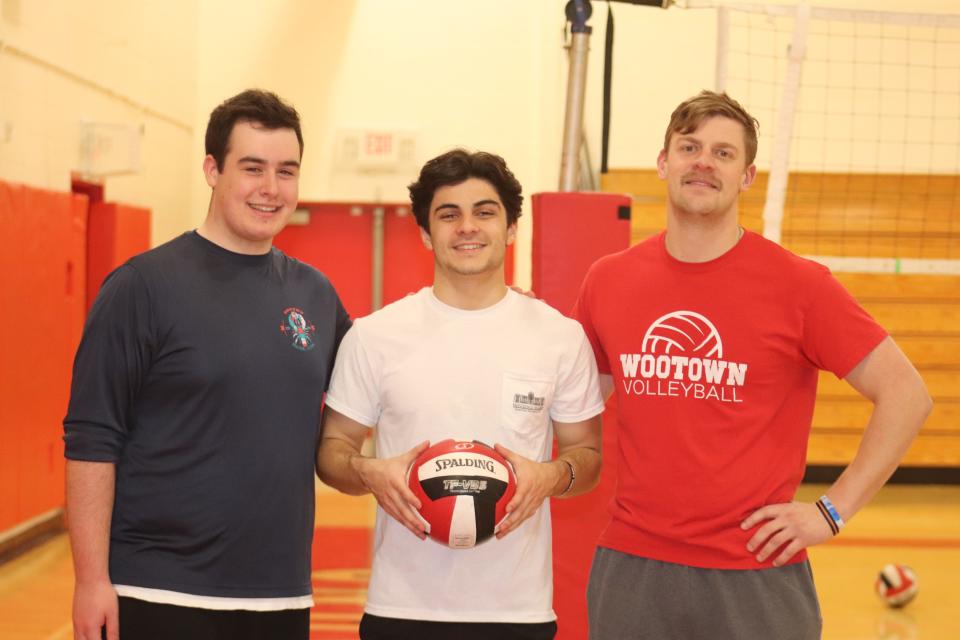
<point>464,488</point>
<point>683,332</point>
<point>897,585</point>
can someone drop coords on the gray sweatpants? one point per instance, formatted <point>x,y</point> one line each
<point>634,598</point>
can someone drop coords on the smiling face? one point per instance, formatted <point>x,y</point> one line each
<point>256,191</point>
<point>706,169</point>
<point>468,230</point>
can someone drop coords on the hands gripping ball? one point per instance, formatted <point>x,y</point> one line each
<point>897,585</point>
<point>464,488</point>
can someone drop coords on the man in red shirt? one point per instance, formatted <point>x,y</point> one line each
<point>713,337</point>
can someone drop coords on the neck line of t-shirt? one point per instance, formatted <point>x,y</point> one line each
<point>246,259</point>
<point>729,256</point>
<point>443,307</point>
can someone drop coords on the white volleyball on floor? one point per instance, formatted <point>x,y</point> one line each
<point>897,585</point>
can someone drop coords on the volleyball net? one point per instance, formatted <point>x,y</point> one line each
<point>860,130</point>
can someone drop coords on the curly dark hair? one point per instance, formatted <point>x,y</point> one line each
<point>456,166</point>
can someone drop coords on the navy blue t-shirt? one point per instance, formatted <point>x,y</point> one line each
<point>201,375</point>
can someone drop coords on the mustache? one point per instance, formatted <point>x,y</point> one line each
<point>696,177</point>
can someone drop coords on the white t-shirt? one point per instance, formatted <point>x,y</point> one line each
<point>421,370</point>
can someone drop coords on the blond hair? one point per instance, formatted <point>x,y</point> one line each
<point>691,113</point>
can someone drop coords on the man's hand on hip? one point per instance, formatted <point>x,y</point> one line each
<point>791,525</point>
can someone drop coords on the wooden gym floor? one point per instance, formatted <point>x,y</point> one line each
<point>914,525</point>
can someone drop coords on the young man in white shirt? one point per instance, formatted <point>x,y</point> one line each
<point>450,362</point>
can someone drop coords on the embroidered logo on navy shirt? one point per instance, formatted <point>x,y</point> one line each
<point>299,328</point>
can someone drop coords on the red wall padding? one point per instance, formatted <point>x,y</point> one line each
<point>42,306</point>
<point>338,244</point>
<point>407,263</point>
<point>115,232</point>
<point>338,240</point>
<point>570,231</point>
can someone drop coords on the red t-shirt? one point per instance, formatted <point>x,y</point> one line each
<point>715,370</point>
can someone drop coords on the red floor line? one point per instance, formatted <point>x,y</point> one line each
<point>926,543</point>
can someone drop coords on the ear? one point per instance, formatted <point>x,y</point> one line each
<point>662,164</point>
<point>511,233</point>
<point>748,177</point>
<point>426,239</point>
<point>210,171</point>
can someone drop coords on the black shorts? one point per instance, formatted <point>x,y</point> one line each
<point>378,628</point>
<point>141,620</point>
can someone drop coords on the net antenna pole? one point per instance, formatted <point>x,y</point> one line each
<point>578,12</point>
<point>780,158</point>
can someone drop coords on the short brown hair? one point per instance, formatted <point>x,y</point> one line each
<point>456,166</point>
<point>264,108</point>
<point>691,113</point>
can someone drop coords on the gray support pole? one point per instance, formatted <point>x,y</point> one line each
<point>376,289</point>
<point>573,121</point>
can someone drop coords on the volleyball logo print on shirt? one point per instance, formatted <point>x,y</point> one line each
<point>681,356</point>
<point>683,332</point>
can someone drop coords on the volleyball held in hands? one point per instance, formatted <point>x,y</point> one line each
<point>464,488</point>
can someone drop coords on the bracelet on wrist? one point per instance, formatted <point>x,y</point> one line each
<point>573,477</point>
<point>830,514</point>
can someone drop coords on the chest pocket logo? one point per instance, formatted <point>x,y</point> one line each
<point>525,403</point>
<point>529,402</point>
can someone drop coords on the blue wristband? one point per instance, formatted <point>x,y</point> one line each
<point>832,510</point>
